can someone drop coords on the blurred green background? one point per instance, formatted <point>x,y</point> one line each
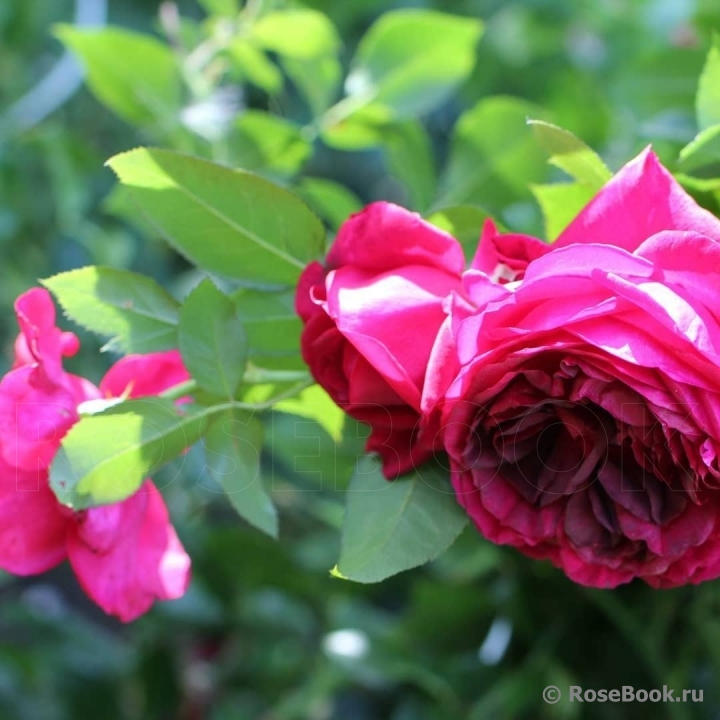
<point>265,631</point>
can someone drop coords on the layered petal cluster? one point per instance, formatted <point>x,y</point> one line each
<point>125,555</point>
<point>371,313</point>
<point>580,401</point>
<point>574,386</point>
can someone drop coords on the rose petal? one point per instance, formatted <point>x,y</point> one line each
<point>127,555</point>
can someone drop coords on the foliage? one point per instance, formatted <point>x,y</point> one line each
<point>263,127</point>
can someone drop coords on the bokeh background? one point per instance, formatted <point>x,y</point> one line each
<point>265,631</point>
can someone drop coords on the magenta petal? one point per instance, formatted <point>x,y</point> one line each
<point>391,319</point>
<point>34,418</point>
<point>40,341</point>
<point>127,555</point>
<point>384,237</point>
<point>504,256</point>
<point>640,200</point>
<point>143,375</point>
<point>33,527</point>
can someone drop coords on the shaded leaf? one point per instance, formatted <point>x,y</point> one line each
<point>233,445</point>
<point>212,340</point>
<point>393,526</point>
<point>493,155</point>
<point>272,327</point>
<point>262,142</point>
<point>333,202</point>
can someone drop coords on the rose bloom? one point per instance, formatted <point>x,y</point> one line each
<point>371,313</point>
<point>125,555</point>
<point>577,393</point>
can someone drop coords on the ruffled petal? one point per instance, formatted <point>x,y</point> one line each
<point>33,526</point>
<point>127,555</point>
<point>384,237</point>
<point>144,375</point>
<point>642,199</point>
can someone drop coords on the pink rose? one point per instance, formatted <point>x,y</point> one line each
<point>125,555</point>
<point>580,406</point>
<point>371,315</point>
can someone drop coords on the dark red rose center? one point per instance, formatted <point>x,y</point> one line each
<point>588,448</point>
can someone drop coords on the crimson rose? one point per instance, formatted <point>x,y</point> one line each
<point>371,315</point>
<point>579,402</point>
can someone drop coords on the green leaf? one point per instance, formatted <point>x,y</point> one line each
<point>333,202</point>
<point>304,454</point>
<point>297,33</point>
<point>702,151</point>
<point>227,222</point>
<point>212,340</point>
<point>233,444</point>
<point>272,327</point>
<point>694,184</point>
<point>707,101</point>
<point>409,157</point>
<point>120,204</point>
<point>132,310</point>
<point>393,526</point>
<point>106,457</point>
<point>464,222</point>
<point>560,204</point>
<point>571,154</point>
<point>412,60</point>
<point>134,75</point>
<point>254,67</point>
<point>314,403</point>
<point>307,44</point>
<point>225,8</point>
<point>493,156</point>
<point>262,142</point>
<point>317,79</point>
<point>358,129</point>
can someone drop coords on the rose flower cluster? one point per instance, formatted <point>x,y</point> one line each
<point>574,386</point>
<point>124,555</point>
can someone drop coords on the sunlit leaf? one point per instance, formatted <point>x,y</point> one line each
<point>133,311</point>
<point>228,222</point>
<point>707,102</point>
<point>560,204</point>
<point>412,60</point>
<point>143,88</point>
<point>571,154</point>
<point>704,150</point>
<point>106,457</point>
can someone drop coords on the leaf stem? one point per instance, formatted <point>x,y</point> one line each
<point>177,391</point>
<point>303,380</point>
